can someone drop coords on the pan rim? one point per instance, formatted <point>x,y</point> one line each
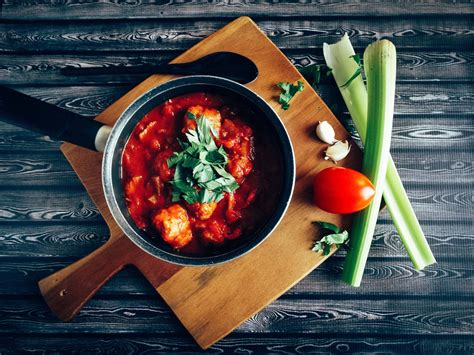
<point>113,144</point>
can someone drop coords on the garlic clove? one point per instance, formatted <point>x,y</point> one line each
<point>325,132</point>
<point>338,151</point>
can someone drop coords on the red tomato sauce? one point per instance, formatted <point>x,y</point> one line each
<point>196,228</point>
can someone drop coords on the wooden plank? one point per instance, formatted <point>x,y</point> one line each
<point>18,277</point>
<point>84,100</point>
<point>16,139</point>
<point>44,69</point>
<point>443,33</point>
<point>47,205</point>
<point>248,343</point>
<point>399,315</point>
<point>63,240</point>
<point>26,167</point>
<point>13,138</point>
<point>71,240</point>
<point>109,9</point>
<point>52,204</point>
<point>412,133</point>
<point>429,65</point>
<point>30,169</point>
<point>419,134</point>
<point>412,98</point>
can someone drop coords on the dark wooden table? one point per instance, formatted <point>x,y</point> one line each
<point>47,220</point>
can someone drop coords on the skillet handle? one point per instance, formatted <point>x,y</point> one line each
<point>25,111</point>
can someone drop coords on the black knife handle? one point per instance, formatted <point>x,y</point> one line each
<point>35,115</point>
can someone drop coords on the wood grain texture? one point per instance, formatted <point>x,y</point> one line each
<point>74,205</point>
<point>411,98</point>
<point>433,151</point>
<point>109,9</point>
<point>18,277</point>
<point>364,317</point>
<point>445,33</point>
<point>248,343</point>
<point>70,240</point>
<point>47,206</point>
<point>44,69</point>
<point>49,168</point>
<point>412,133</point>
<point>448,238</point>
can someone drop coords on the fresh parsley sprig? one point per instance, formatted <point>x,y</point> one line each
<point>200,174</point>
<point>288,91</point>
<point>336,236</point>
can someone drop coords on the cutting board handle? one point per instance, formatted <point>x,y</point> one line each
<point>67,290</point>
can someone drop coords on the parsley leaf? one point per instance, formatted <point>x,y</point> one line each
<point>315,73</point>
<point>357,72</point>
<point>329,226</point>
<point>338,237</point>
<point>200,174</point>
<point>312,73</point>
<point>356,58</point>
<point>288,91</point>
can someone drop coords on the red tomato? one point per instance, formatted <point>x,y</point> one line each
<point>342,190</point>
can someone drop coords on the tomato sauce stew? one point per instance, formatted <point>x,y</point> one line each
<point>195,171</point>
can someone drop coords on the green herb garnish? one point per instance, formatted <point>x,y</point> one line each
<point>288,91</point>
<point>314,72</point>
<point>337,237</point>
<point>357,72</point>
<point>200,174</point>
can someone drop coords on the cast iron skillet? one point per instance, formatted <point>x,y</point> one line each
<point>33,114</point>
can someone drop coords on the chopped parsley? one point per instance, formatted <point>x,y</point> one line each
<point>288,91</point>
<point>335,236</point>
<point>200,174</point>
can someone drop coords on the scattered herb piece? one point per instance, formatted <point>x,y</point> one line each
<point>313,73</point>
<point>357,59</point>
<point>328,226</point>
<point>338,237</point>
<point>200,174</point>
<point>288,91</point>
<point>357,72</point>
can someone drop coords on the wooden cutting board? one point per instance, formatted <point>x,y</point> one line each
<point>212,301</point>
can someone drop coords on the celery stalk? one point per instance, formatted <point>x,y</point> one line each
<point>380,61</point>
<point>338,58</point>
